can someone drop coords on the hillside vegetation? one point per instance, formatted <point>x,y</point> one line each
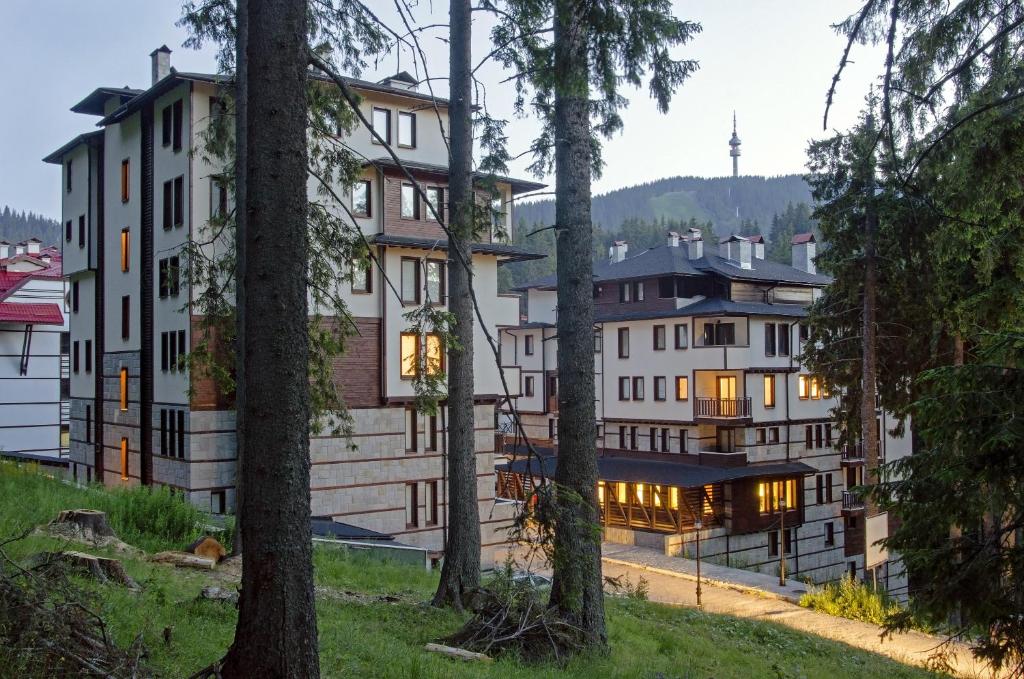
<point>18,226</point>
<point>373,621</point>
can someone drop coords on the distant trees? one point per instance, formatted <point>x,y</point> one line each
<point>18,226</point>
<point>791,221</point>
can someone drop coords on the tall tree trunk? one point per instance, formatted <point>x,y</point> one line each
<point>460,573</point>
<point>276,634</point>
<point>576,591</point>
<point>241,74</point>
<point>869,388</point>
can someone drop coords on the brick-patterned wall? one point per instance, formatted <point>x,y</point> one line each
<point>357,372</point>
<point>424,227</point>
<point>607,300</point>
<point>206,393</point>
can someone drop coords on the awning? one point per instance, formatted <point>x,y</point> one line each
<point>680,474</point>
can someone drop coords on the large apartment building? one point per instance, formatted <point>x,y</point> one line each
<point>35,359</point>
<point>135,194</point>
<point>705,412</point>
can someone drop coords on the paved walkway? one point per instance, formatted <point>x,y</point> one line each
<point>732,591</point>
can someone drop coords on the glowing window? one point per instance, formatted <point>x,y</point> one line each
<point>803,386</point>
<point>673,498</point>
<point>124,459</point>
<point>435,355</point>
<point>621,492</point>
<point>682,388</point>
<point>815,388</point>
<point>126,248</point>
<point>762,498</point>
<point>410,354</point>
<point>769,391</point>
<point>600,492</point>
<point>124,389</point>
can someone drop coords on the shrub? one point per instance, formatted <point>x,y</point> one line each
<point>154,515</point>
<point>851,599</point>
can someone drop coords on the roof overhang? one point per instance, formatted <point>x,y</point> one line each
<point>505,253</point>
<point>518,185</point>
<point>57,157</point>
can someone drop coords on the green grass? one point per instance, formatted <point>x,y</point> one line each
<point>855,600</point>
<point>361,636</point>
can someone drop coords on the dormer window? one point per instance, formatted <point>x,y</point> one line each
<point>382,124</point>
<point>406,129</point>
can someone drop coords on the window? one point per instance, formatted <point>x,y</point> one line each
<point>769,493</point>
<point>815,388</point>
<point>67,175</point>
<point>74,356</point>
<point>164,277</point>
<point>623,388</point>
<point>719,334</point>
<point>769,391</point>
<point>769,339</point>
<point>218,199</point>
<point>819,491</point>
<point>410,281</point>
<point>412,435</point>
<point>623,342</point>
<point>181,433</point>
<point>638,388</point>
<point>552,429</point>
<point>435,197</point>
<point>660,389</point>
<point>406,129</point>
<point>435,354</point>
<point>666,288</point>
<point>598,342</point>
<point>165,125</point>
<point>124,458</point>
<point>67,231</point>
<point>168,214</point>
<point>172,349</point>
<point>808,436</point>
<point>81,231</point>
<point>819,439</point>
<point>783,339</point>
<point>803,389</point>
<point>88,356</point>
<point>410,353</point>
<point>773,543</point>
<point>361,198</point>
<point>124,389</point>
<point>664,439</point>
<point>74,297</point>
<point>659,338</point>
<point>633,431</point>
<point>830,534</point>
<point>125,179</point>
<point>88,423</point>
<point>218,502</point>
<point>805,332</point>
<point>622,436</point>
<point>382,124</point>
<point>178,120</point>
<point>625,292</point>
<point>431,433</point>
<point>432,502</point>
<point>773,434</point>
<point>163,431</point>
<point>828,488</point>
<point>362,281</point>
<point>528,386</point>
<point>126,249</point>
<point>412,505</point>
<point>761,436</point>
<point>653,436</point>
<point>682,388</point>
<point>828,434</point>
<point>436,281</point>
<point>788,538</point>
<point>126,311</point>
<point>638,291</point>
<point>410,204</point>
<point>682,335</point>
<point>179,200</point>
<point>528,345</point>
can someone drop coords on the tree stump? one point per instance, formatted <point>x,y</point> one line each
<point>99,568</point>
<point>87,524</point>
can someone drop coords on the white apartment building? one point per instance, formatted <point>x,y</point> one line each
<point>135,195</point>
<point>34,354</point>
<point>705,412</point>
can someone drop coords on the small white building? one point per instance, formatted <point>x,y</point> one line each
<point>34,354</point>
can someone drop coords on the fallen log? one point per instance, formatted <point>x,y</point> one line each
<point>458,653</point>
<point>99,568</point>
<point>184,560</point>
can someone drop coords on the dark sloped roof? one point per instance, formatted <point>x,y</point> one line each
<point>509,253</point>
<point>664,260</point>
<point>57,157</point>
<point>681,474</point>
<point>325,527</point>
<point>93,103</point>
<point>711,306</point>
<point>518,185</point>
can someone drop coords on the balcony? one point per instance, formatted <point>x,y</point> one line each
<point>723,408</point>
<point>552,404</point>
<point>852,502</point>
<point>852,454</point>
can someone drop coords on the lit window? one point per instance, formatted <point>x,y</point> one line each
<point>673,498</point>
<point>762,498</point>
<point>682,388</point>
<point>435,355</point>
<point>803,387</point>
<point>124,458</point>
<point>124,389</point>
<point>406,129</point>
<point>769,391</point>
<point>126,247</point>
<point>410,354</point>
<point>815,388</point>
<point>640,487</point>
<point>600,492</point>
<point>621,492</point>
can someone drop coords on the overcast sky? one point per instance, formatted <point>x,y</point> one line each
<point>770,60</point>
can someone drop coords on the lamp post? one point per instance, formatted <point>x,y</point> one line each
<point>698,525</point>
<point>782,542</point>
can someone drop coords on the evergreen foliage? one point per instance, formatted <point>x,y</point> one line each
<point>19,226</point>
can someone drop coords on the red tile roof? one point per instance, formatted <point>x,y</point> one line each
<point>32,314</point>
<point>756,239</point>
<point>803,238</point>
<point>11,281</point>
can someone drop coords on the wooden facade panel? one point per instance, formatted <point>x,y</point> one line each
<point>357,372</point>
<point>744,513</point>
<point>207,394</point>
<point>853,537</point>
<point>606,301</point>
<point>425,226</point>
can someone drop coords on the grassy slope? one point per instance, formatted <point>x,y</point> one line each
<point>363,637</point>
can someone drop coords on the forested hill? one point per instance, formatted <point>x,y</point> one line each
<point>18,226</point>
<point>714,199</point>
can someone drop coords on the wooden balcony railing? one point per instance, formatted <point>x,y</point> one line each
<point>852,501</point>
<point>723,407</point>
<point>852,452</point>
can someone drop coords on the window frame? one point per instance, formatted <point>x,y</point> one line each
<point>367,271</point>
<point>660,388</point>
<point>417,281</point>
<point>625,391</point>
<point>404,374</point>
<point>638,394</point>
<point>683,380</point>
<point>441,298</point>
<point>178,125</point>
<point>373,124</point>
<point>770,346</point>
<point>769,391</point>
<point>682,330</point>
<point>126,315</point>
<point>81,231</point>
<point>126,179</point>
<point>529,386</point>
<point>126,249</point>
<point>366,187</point>
<point>528,348</point>
<point>663,344</point>
<point>623,333</point>
<point>123,389</point>
<point>407,115</point>
<point>415,215</point>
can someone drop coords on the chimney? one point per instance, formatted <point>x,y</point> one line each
<point>32,246</point>
<point>673,239</point>
<point>401,81</point>
<point>804,251</point>
<point>5,249</point>
<point>735,249</point>
<point>617,251</point>
<point>757,246</point>
<point>19,249</point>
<point>695,244</point>
<point>161,61</point>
